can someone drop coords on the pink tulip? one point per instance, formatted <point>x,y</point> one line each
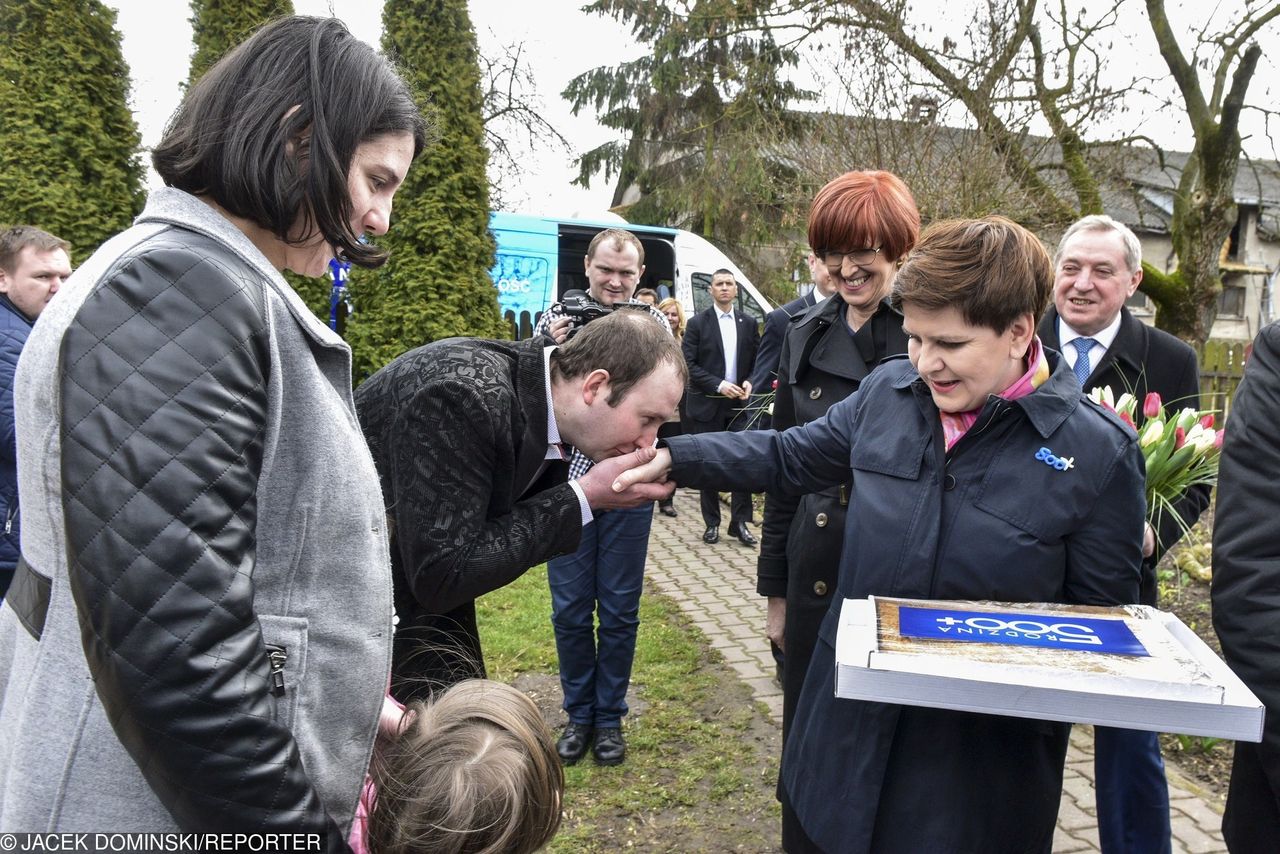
<point>1179,438</point>
<point>1207,421</point>
<point>1151,406</point>
<point>1128,419</point>
<point>1217,440</point>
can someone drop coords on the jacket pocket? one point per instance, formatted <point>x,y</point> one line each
<point>285,642</point>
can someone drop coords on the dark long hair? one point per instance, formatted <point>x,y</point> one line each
<point>269,131</point>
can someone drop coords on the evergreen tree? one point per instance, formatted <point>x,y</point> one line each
<point>68,142</point>
<point>219,25</point>
<point>437,282</point>
<point>700,115</point>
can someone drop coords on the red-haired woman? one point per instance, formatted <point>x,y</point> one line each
<point>861,226</point>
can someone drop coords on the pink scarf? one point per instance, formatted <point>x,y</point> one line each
<point>956,424</point>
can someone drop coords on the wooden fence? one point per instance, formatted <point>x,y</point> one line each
<point>1221,367</point>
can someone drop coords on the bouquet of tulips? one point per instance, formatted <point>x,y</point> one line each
<point>1181,447</point>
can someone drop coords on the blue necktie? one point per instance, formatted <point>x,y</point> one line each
<point>1083,368</point>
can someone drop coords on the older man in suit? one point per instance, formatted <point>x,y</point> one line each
<point>1099,266</point>
<point>720,348</point>
<point>470,437</point>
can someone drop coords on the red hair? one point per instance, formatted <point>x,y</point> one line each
<point>863,210</point>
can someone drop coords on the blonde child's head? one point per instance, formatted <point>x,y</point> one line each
<point>474,771</point>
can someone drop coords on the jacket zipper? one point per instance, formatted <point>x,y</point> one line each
<point>10,515</point>
<point>277,656</point>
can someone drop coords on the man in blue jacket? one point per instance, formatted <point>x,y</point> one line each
<point>33,265</point>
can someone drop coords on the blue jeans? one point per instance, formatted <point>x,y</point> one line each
<point>1133,793</point>
<point>603,577</point>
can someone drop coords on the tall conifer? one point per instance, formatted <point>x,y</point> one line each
<point>219,25</point>
<point>437,283</point>
<point>68,142</point>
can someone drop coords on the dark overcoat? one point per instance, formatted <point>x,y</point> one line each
<point>1246,588</point>
<point>1142,359</point>
<point>800,540</point>
<point>985,520</point>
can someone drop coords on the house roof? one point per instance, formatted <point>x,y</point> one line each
<point>1137,183</point>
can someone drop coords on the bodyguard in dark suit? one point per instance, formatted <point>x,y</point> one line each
<point>469,438</point>
<point>719,386</point>
<point>1099,266</point>
<point>1246,589</point>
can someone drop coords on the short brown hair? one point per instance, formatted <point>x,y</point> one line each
<point>620,237</point>
<point>991,269</point>
<point>864,210</point>
<point>16,238</point>
<point>474,770</point>
<point>629,343</point>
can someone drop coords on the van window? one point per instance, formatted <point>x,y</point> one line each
<point>745,303</point>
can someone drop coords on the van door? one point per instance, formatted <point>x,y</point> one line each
<point>659,257</point>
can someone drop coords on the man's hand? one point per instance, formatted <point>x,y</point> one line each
<point>746,389</point>
<point>775,621</point>
<point>1148,540</point>
<point>559,329</point>
<point>733,390</point>
<point>601,484</point>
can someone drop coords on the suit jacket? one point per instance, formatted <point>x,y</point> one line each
<point>458,431</point>
<point>770,350</point>
<point>704,352</point>
<point>1143,359</point>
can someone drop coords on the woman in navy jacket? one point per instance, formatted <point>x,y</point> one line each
<point>952,499</point>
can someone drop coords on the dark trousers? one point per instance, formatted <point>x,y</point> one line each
<point>1251,824</point>
<point>1133,793</point>
<point>603,578</point>
<point>740,502</point>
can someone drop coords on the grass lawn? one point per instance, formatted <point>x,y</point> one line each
<point>702,756</point>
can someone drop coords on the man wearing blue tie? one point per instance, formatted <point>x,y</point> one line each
<point>1099,266</point>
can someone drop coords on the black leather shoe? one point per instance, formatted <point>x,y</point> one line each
<point>712,535</point>
<point>666,508</point>
<point>610,748</point>
<point>574,742</point>
<point>743,534</point>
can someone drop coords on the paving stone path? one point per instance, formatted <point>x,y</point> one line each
<point>715,586</point>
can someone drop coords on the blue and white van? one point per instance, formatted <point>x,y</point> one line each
<point>539,258</point>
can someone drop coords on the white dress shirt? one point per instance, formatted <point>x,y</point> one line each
<point>555,450</point>
<point>729,338</point>
<point>1101,342</point>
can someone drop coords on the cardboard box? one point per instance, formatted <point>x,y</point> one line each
<point>1133,667</point>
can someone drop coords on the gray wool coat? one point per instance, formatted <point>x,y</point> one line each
<point>193,510</point>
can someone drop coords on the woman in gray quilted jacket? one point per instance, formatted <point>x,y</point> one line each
<point>199,635</point>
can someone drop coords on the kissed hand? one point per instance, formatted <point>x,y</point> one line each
<point>601,484</point>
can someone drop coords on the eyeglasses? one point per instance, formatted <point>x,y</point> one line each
<point>860,257</point>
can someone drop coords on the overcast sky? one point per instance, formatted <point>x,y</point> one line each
<point>562,42</point>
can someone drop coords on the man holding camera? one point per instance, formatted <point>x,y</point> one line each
<point>470,439</point>
<point>605,575</point>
